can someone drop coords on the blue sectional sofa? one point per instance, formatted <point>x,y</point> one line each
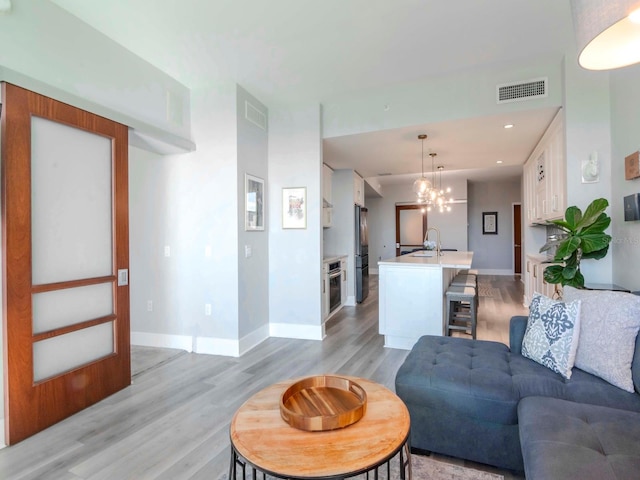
<point>485,402</point>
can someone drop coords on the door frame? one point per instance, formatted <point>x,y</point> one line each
<point>399,208</point>
<point>513,238</point>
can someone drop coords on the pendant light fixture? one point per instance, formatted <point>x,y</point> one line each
<point>437,195</point>
<point>607,32</point>
<point>422,186</point>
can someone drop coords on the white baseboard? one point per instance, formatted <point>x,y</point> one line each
<point>300,332</point>
<point>490,271</point>
<point>206,345</point>
<point>2,444</point>
<point>350,301</point>
<point>254,339</point>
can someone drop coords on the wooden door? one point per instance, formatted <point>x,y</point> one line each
<point>414,232</point>
<point>517,239</point>
<point>65,260</point>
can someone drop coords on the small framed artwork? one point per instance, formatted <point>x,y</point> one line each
<point>489,223</point>
<point>253,203</point>
<point>294,207</point>
<point>632,166</point>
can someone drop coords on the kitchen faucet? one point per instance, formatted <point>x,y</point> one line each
<point>438,246</point>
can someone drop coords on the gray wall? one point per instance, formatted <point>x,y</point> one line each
<point>625,128</point>
<point>253,272</point>
<point>493,253</point>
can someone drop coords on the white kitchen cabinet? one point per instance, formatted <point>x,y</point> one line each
<point>545,176</point>
<point>535,266</point>
<point>327,200</point>
<point>556,193</point>
<point>358,189</point>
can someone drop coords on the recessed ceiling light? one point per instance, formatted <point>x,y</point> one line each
<point>509,125</point>
<point>498,161</point>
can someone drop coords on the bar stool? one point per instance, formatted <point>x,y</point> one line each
<point>464,280</point>
<point>462,309</point>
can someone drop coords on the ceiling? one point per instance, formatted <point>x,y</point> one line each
<point>285,51</point>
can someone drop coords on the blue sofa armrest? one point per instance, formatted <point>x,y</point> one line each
<point>517,327</point>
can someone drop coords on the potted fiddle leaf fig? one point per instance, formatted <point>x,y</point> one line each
<point>584,238</point>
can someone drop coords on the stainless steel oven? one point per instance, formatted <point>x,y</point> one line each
<point>335,286</point>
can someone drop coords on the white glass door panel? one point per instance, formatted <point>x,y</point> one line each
<point>65,352</point>
<point>71,209</point>
<point>61,308</point>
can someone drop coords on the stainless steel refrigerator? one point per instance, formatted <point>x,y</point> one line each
<point>362,254</point>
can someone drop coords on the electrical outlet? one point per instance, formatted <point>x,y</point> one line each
<point>149,305</point>
<point>167,251</point>
<point>207,309</point>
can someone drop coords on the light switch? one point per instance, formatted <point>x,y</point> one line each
<point>207,309</point>
<point>167,251</point>
<point>247,251</point>
<point>207,251</point>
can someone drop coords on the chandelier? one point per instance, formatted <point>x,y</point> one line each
<point>436,198</point>
<point>422,186</point>
<point>430,192</point>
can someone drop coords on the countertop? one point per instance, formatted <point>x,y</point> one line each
<point>447,260</point>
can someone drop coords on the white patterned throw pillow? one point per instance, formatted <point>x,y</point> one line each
<point>609,324</point>
<point>551,337</point>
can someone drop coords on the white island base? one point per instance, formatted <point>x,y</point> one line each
<point>412,295</point>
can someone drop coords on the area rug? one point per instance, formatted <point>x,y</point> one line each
<point>423,468</point>
<point>426,468</point>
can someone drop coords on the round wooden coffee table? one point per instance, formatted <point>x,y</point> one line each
<point>261,441</point>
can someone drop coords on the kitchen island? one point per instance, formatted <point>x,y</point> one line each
<point>412,295</point>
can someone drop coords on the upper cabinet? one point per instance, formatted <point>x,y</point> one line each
<point>327,201</point>
<point>358,189</point>
<point>545,176</point>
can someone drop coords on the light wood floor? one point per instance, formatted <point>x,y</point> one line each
<point>173,422</point>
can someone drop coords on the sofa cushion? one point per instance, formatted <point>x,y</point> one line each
<point>609,324</point>
<point>551,338</point>
<point>567,440</point>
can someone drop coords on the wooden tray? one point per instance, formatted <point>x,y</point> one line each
<point>323,402</point>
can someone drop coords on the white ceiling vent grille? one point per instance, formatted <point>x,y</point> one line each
<point>517,92</point>
<point>254,115</point>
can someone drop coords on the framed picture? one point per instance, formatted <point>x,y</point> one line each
<point>489,223</point>
<point>294,207</point>
<point>253,203</point>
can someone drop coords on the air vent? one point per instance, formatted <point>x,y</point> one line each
<point>255,116</point>
<point>517,92</point>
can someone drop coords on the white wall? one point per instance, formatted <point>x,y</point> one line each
<point>253,271</point>
<point>382,220</point>
<point>625,131</point>
<point>190,203</point>
<point>55,54</point>
<point>295,256</point>
<point>493,253</point>
<point>588,130</point>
